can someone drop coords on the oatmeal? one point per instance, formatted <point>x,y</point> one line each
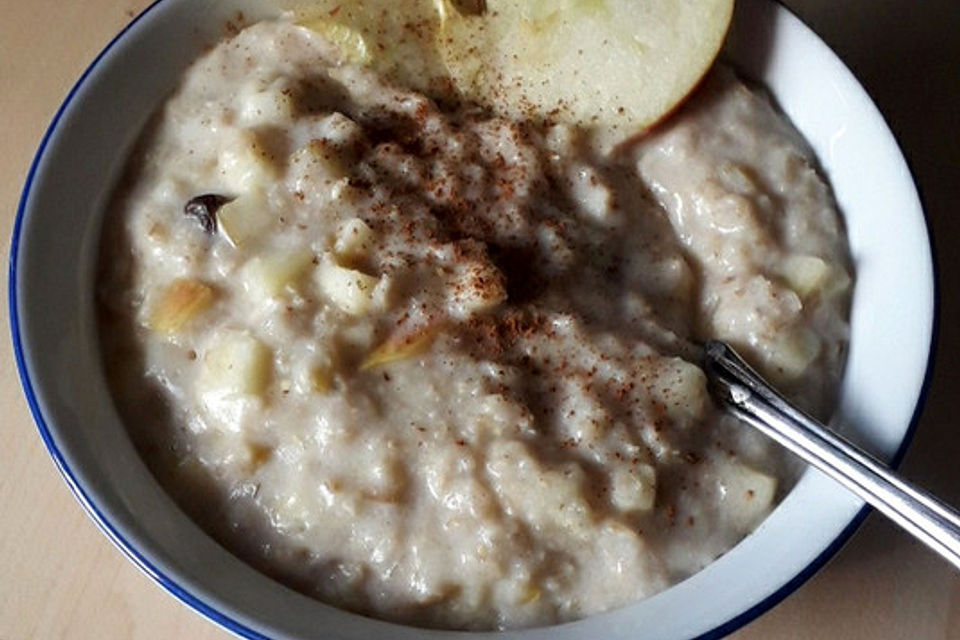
<point>440,367</point>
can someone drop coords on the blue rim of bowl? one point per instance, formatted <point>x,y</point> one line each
<point>239,628</point>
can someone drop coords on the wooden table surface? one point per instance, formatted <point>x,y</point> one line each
<point>60,578</point>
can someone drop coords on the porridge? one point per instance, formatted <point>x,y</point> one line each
<point>439,367</point>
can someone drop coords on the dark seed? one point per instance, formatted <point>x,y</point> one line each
<point>204,209</point>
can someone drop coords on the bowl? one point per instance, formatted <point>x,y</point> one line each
<point>52,267</point>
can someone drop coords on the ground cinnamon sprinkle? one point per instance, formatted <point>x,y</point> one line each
<point>463,324</point>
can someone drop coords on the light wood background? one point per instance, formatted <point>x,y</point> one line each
<point>60,578</point>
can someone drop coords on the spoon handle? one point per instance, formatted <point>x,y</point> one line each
<point>755,402</point>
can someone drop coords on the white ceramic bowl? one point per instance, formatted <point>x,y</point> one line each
<point>51,292</point>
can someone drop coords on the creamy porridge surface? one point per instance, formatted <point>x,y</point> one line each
<point>439,367</point>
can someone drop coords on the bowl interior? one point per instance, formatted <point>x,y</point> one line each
<point>51,296</point>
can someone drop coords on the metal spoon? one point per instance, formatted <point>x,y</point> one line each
<point>749,397</point>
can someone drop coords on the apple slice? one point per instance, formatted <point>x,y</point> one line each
<point>394,38</point>
<point>401,346</point>
<point>624,64</point>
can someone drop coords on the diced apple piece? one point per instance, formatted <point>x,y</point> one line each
<point>247,164</point>
<point>747,495</point>
<point>354,240</point>
<point>633,488</point>
<point>244,219</point>
<point>267,276</point>
<point>682,389</point>
<point>400,347</point>
<point>805,274</point>
<point>350,290</point>
<point>318,161</point>
<point>182,301</point>
<point>477,287</point>
<point>235,363</point>
<point>793,352</point>
<point>618,544</point>
<point>623,63</point>
<point>264,106</point>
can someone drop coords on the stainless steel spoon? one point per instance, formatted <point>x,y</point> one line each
<point>755,402</point>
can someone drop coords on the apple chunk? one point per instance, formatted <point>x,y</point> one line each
<point>619,63</point>
<point>235,363</point>
<point>350,290</point>
<point>183,300</point>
